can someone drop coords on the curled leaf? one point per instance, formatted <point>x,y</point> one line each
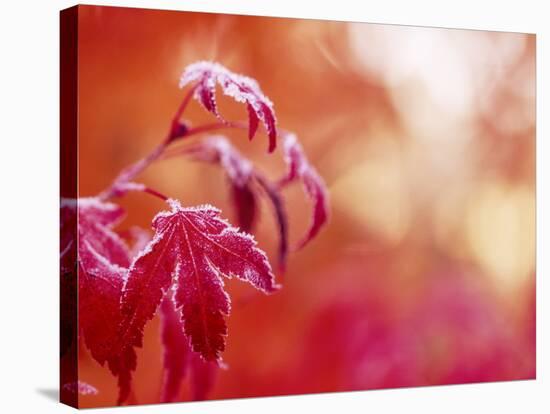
<point>276,200</point>
<point>239,170</point>
<point>246,206</point>
<point>299,168</point>
<point>245,184</point>
<point>241,88</point>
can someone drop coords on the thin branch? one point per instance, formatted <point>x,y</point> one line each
<point>215,126</point>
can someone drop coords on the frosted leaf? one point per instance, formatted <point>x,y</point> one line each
<point>197,247</point>
<point>299,168</point>
<point>103,258</point>
<point>179,360</point>
<point>217,150</point>
<point>246,186</point>
<point>241,88</point>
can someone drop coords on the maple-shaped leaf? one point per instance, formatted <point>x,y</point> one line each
<point>245,184</point>
<point>195,247</point>
<point>179,359</point>
<point>241,88</point>
<point>103,259</point>
<point>299,168</point>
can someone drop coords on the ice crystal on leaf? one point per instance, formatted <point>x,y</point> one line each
<point>299,168</point>
<point>239,170</point>
<point>195,248</point>
<point>241,88</point>
<point>247,184</point>
<point>102,259</point>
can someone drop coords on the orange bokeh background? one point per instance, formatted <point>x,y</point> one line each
<point>425,137</point>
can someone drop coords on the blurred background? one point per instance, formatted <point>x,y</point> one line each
<point>425,137</point>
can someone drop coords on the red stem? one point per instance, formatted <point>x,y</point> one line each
<point>129,173</point>
<point>216,125</point>
<point>184,104</point>
<point>155,193</point>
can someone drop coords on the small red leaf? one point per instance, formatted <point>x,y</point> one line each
<point>102,259</point>
<point>218,150</point>
<point>179,358</point>
<point>241,88</point>
<point>244,200</point>
<point>122,367</point>
<point>205,93</point>
<point>95,221</point>
<point>203,376</point>
<point>300,168</point>
<point>252,121</point>
<point>276,200</point>
<point>197,247</point>
<point>176,351</point>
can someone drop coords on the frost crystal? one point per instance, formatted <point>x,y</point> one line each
<point>241,88</point>
<point>199,247</point>
<point>299,168</point>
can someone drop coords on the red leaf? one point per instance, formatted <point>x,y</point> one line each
<point>241,88</point>
<point>203,376</point>
<point>95,221</point>
<point>217,149</point>
<point>179,358</point>
<point>122,367</point>
<point>252,121</point>
<point>197,247</point>
<point>176,351</point>
<point>205,93</point>
<point>239,170</point>
<point>246,206</point>
<point>280,216</point>
<point>300,168</point>
<point>102,258</point>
